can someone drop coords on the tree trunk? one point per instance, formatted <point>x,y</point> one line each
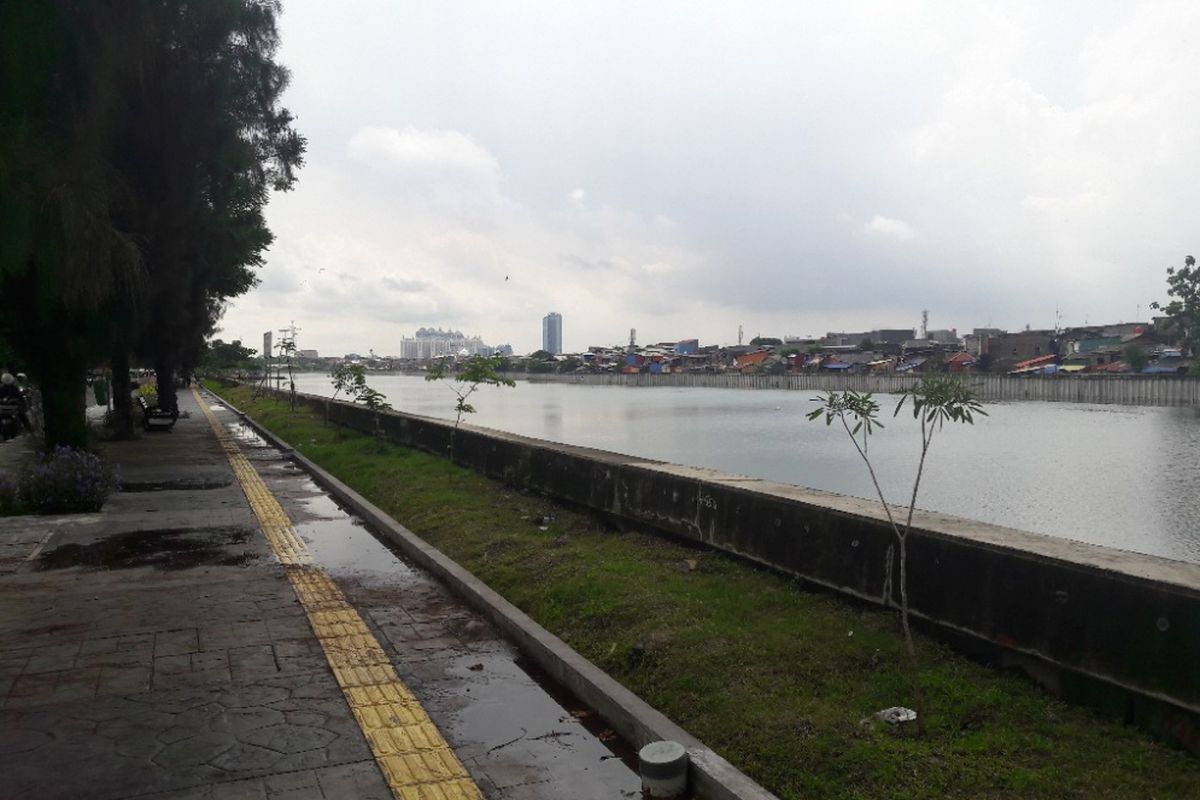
<point>62,385</point>
<point>164,373</point>
<point>914,671</point>
<point>122,401</point>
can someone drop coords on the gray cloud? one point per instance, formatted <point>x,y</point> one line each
<point>788,167</point>
<point>405,285</point>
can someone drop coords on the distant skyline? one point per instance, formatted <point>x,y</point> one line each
<point>684,169</point>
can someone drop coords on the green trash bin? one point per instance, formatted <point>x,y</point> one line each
<point>101,390</point>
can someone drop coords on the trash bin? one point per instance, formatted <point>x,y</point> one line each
<point>101,390</point>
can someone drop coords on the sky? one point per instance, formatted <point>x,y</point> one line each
<point>688,168</point>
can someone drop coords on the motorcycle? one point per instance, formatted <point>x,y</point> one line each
<point>10,420</point>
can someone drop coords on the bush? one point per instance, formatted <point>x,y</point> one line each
<point>66,482</point>
<point>149,391</point>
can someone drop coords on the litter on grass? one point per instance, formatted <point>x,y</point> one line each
<point>896,714</point>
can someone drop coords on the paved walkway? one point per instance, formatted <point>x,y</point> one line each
<point>189,642</point>
<point>16,452</point>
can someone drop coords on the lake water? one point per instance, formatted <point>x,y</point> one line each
<point>1120,476</point>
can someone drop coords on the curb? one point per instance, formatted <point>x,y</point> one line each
<point>710,776</point>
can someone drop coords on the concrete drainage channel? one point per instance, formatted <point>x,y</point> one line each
<point>708,775</point>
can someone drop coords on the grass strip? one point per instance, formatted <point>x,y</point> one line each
<point>779,680</point>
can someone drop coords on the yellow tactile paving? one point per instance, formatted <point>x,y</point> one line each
<point>380,695</point>
<point>411,753</point>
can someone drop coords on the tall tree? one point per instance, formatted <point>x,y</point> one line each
<point>207,142</point>
<point>139,142</point>
<point>1183,285</point>
<point>64,258</point>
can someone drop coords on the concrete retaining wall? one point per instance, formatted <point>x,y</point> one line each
<point>1136,390</point>
<point>1115,629</point>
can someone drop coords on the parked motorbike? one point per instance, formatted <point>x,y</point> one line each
<point>10,420</point>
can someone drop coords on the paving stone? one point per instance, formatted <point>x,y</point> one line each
<point>361,781</point>
<point>242,720</point>
<point>505,775</point>
<point>261,694</point>
<point>33,686</point>
<point>99,646</point>
<point>195,793</point>
<point>173,643</point>
<point>300,785</point>
<point>124,680</point>
<point>205,681</point>
<point>16,740</point>
<point>192,749</point>
<point>243,757</point>
<point>52,659</point>
<point>240,790</point>
<point>144,744</point>
<point>287,738</point>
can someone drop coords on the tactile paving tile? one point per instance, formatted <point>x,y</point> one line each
<point>415,760</point>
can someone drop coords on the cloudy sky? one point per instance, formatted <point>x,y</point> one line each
<point>685,168</point>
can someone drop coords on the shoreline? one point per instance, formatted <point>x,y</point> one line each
<point>1127,390</point>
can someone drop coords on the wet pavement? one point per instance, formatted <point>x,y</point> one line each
<point>15,452</point>
<point>157,649</point>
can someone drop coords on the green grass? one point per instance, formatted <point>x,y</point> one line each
<point>776,679</point>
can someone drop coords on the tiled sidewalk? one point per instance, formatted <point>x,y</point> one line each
<point>158,650</point>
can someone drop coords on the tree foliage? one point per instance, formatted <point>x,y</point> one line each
<point>65,257</point>
<point>141,143</point>
<point>219,142</point>
<point>473,373</point>
<point>1135,357</point>
<point>1183,286</point>
<point>221,355</point>
<point>351,379</point>
<point>934,401</point>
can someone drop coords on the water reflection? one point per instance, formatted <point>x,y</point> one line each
<point>1114,475</point>
<point>552,416</point>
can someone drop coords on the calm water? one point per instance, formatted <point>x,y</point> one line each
<point>1118,476</point>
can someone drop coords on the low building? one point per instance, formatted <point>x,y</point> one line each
<point>1023,345</point>
<point>947,336</point>
<point>891,336</point>
<point>845,339</point>
<point>962,361</point>
<point>978,341</point>
<point>749,362</point>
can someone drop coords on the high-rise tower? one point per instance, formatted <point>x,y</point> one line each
<point>552,333</point>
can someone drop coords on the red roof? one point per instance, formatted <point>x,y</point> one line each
<point>1116,366</point>
<point>1040,361</point>
<point>750,359</point>
<point>961,357</point>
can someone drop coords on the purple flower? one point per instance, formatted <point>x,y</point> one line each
<point>66,481</point>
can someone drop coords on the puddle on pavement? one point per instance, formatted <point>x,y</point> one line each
<point>352,554</point>
<point>592,722</point>
<point>345,548</point>
<point>164,549</point>
<point>186,484</point>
